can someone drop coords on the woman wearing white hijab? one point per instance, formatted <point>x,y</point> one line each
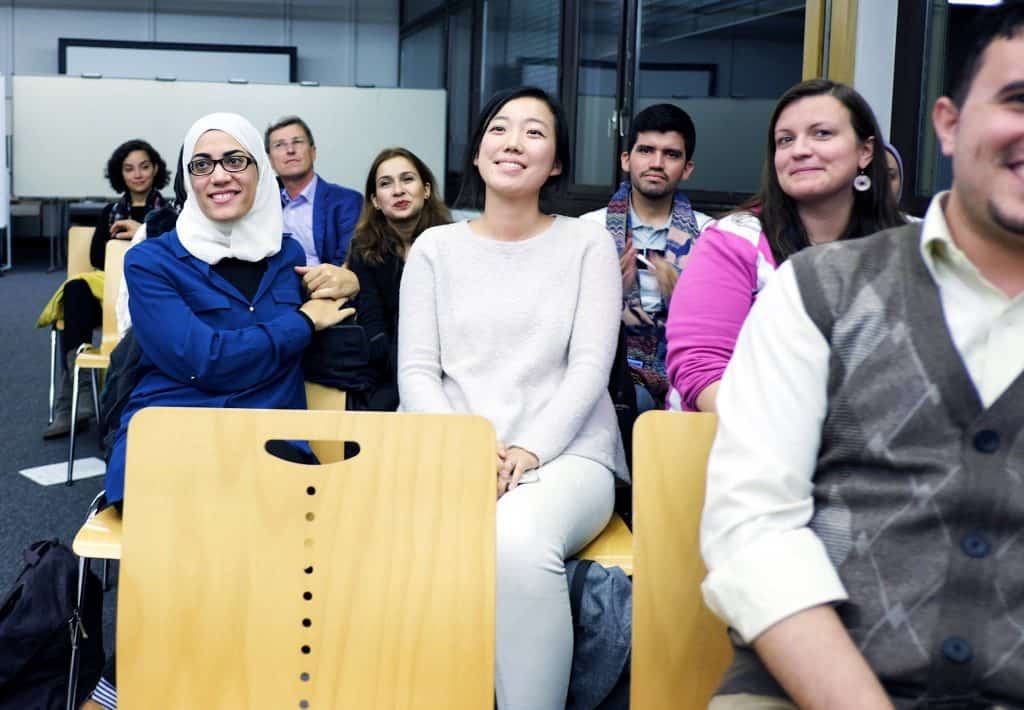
<point>218,309</point>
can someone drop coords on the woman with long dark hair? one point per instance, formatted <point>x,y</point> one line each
<point>400,201</point>
<point>514,316</point>
<point>824,179</point>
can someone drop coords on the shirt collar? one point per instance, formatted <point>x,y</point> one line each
<point>307,194</point>
<point>936,241</point>
<point>941,253</point>
<point>635,221</point>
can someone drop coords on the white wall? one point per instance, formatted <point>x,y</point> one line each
<point>339,42</point>
<point>876,57</point>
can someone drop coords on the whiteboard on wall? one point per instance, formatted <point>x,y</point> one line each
<point>183,64</point>
<point>65,128</point>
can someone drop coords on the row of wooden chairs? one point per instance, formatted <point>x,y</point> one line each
<point>249,581</point>
<point>97,359</point>
<point>93,359</point>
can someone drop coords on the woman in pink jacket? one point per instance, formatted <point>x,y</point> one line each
<point>824,179</point>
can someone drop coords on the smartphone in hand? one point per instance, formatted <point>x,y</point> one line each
<point>530,477</point>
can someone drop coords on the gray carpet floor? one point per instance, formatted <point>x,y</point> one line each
<point>28,511</point>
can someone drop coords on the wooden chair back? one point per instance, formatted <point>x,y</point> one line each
<point>321,397</point>
<point>680,649</point>
<point>100,536</point>
<point>248,581</point>
<point>79,241</point>
<point>613,547</point>
<point>113,269</point>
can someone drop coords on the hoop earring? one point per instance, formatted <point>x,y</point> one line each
<point>862,183</point>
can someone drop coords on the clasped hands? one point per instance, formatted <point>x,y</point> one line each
<point>512,463</point>
<point>329,287</point>
<point>666,274</point>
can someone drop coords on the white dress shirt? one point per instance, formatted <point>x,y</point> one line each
<point>764,562</point>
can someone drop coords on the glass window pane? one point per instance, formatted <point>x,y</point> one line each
<point>520,45</point>
<point>460,48</point>
<point>594,155</point>
<point>422,59</point>
<point>412,9</point>
<point>726,65</point>
<point>946,50</point>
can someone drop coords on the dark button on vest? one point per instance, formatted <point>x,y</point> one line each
<point>957,650</point>
<point>975,544</point>
<point>986,441</point>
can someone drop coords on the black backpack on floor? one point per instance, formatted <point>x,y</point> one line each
<point>36,618</point>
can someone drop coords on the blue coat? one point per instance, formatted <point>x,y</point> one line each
<point>203,344</point>
<point>335,213</point>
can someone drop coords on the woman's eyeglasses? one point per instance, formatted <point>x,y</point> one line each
<point>232,163</point>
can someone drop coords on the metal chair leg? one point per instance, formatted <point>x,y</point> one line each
<point>53,369</point>
<point>74,419</point>
<point>77,631</point>
<point>106,575</point>
<point>76,627</point>
<point>93,375</point>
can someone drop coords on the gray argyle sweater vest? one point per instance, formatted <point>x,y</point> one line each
<point>919,489</point>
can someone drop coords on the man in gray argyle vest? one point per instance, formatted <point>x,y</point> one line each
<point>864,522</point>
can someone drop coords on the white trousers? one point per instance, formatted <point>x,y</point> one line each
<point>540,525</point>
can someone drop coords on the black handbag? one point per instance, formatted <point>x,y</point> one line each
<point>339,357</point>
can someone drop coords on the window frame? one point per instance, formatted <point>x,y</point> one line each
<point>908,96</point>
<point>444,14</point>
<point>572,197</point>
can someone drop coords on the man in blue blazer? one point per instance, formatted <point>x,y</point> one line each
<point>318,214</point>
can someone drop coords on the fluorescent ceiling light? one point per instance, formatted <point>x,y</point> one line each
<point>975,2</point>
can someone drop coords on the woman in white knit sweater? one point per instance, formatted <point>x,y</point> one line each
<point>514,316</point>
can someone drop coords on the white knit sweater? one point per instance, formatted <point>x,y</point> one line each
<point>522,333</point>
